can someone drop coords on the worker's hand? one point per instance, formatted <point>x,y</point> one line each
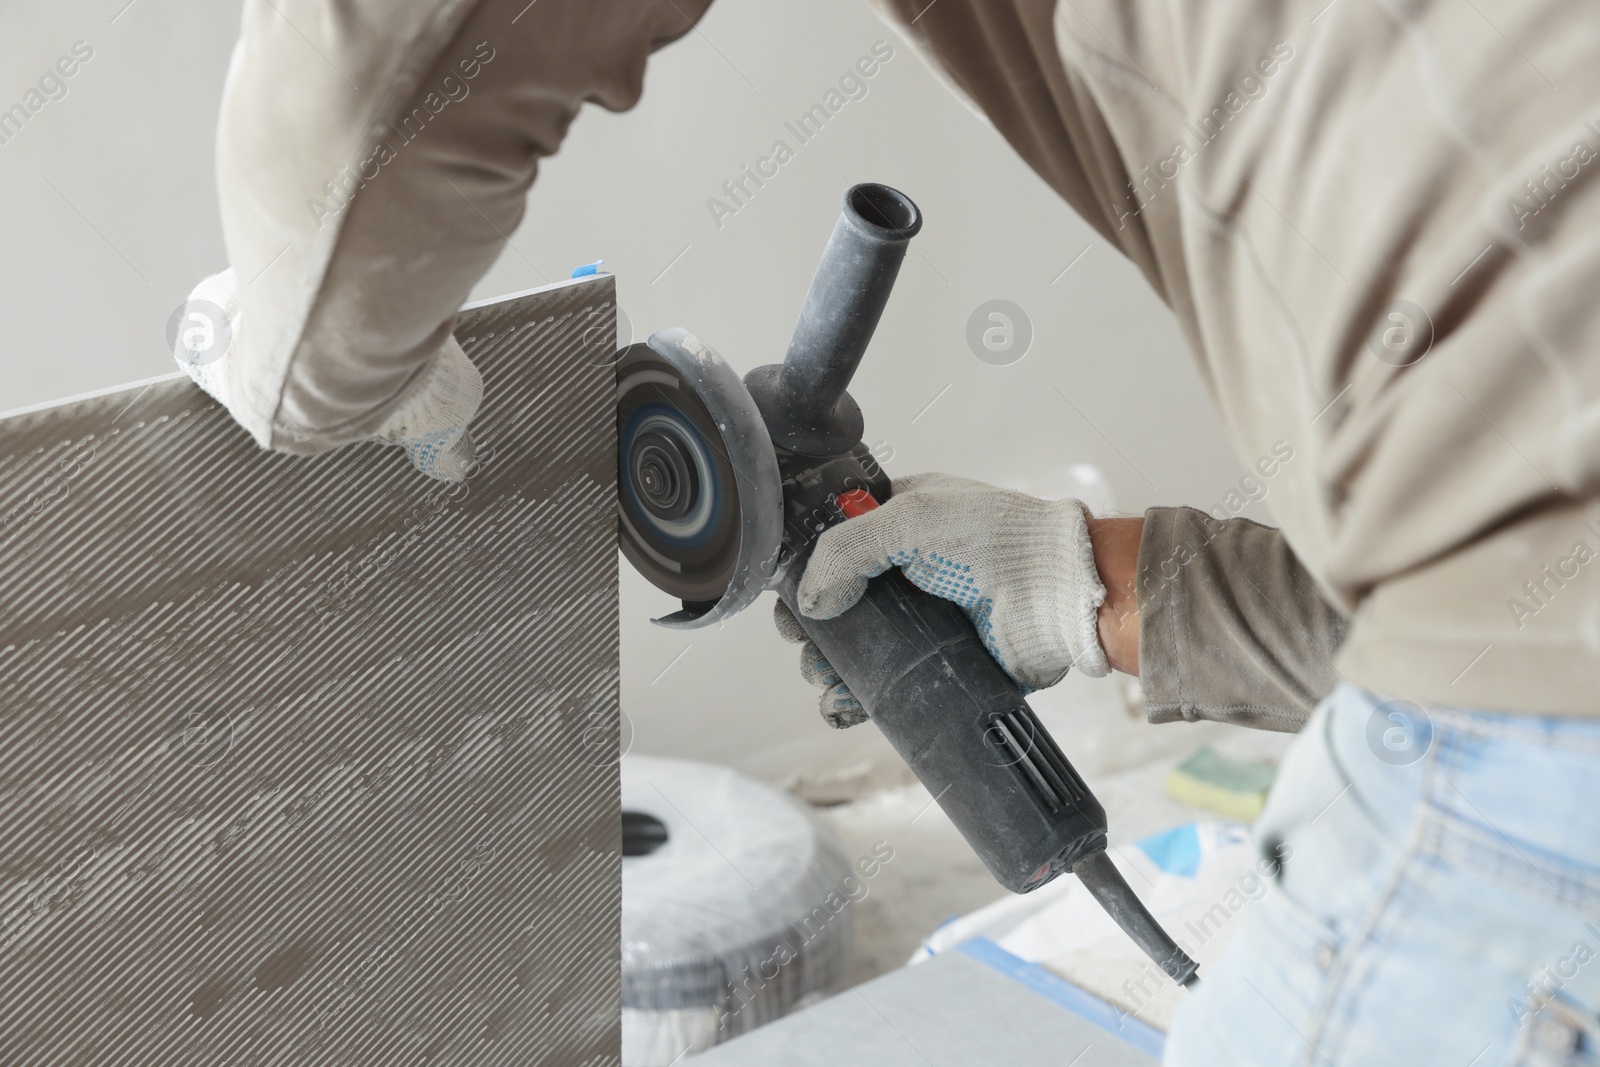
<point>1022,568</point>
<point>838,706</point>
<point>429,422</point>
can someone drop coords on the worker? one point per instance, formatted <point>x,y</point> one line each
<point>1377,223</point>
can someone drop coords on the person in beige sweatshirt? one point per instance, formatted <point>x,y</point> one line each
<point>1377,222</point>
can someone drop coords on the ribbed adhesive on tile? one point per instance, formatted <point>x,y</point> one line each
<point>313,761</point>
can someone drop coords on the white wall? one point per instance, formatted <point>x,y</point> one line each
<point>92,267</point>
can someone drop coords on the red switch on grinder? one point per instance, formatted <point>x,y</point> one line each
<point>856,502</point>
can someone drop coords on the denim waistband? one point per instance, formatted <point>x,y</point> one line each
<point>1514,798</point>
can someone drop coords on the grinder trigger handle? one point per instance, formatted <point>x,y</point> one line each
<point>921,672</point>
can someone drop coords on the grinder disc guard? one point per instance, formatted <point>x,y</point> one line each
<point>679,504</point>
<point>699,497</point>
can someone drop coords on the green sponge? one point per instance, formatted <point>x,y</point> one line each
<point>1235,788</point>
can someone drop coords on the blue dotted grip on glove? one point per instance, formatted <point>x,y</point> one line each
<point>431,454</point>
<point>953,581</point>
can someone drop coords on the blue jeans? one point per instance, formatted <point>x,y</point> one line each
<point>1437,899</point>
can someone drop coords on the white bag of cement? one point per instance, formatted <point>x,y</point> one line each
<point>1196,879</point>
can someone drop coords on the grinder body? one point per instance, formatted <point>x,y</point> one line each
<point>913,660</point>
<point>957,720</point>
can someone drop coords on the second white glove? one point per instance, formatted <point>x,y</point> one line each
<point>429,422</point>
<point>1022,568</point>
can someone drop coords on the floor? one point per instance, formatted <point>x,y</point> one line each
<point>953,1011</point>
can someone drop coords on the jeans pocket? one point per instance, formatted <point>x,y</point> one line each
<point>1258,1002</point>
<point>1304,936</point>
<point>1561,1034</point>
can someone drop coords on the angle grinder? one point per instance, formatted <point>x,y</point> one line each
<point>724,485</point>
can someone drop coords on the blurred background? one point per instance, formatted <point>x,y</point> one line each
<point>111,216</point>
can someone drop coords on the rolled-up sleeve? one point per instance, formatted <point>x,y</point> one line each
<point>372,158</point>
<point>1231,627</point>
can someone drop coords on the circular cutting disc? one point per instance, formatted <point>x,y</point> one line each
<point>677,497</point>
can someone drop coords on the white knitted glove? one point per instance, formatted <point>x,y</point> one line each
<point>838,705</point>
<point>204,331</point>
<point>429,422</point>
<point>1022,568</point>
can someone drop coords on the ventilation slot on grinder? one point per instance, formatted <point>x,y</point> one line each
<point>1028,747</point>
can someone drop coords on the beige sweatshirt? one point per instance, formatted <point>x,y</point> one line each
<point>1377,223</point>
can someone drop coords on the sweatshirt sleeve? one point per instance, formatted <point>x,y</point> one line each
<point>1231,626</point>
<point>372,158</point>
